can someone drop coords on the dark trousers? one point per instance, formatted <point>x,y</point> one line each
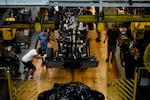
<point>42,52</point>
<point>28,65</point>
<point>111,48</point>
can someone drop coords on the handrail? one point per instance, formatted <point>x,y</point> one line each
<point>8,78</point>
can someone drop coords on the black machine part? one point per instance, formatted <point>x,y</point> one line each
<point>53,60</point>
<point>71,91</point>
<point>11,61</point>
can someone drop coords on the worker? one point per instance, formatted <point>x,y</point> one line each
<point>43,38</point>
<point>27,61</point>
<point>131,59</point>
<point>100,28</point>
<point>112,37</point>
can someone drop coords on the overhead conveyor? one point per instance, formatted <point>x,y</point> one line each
<point>100,4</point>
<point>128,18</point>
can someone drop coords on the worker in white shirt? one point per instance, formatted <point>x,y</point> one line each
<point>27,61</point>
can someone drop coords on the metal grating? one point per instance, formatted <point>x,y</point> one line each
<point>24,90</point>
<point>121,89</point>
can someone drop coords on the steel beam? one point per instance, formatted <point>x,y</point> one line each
<point>129,18</point>
<point>23,3</point>
<point>99,4</point>
<point>117,18</point>
<point>74,3</point>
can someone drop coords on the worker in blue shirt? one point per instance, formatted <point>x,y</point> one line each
<point>43,38</point>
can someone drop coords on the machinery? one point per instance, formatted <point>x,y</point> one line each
<point>65,58</point>
<point>71,91</point>
<point>73,45</point>
<point>9,59</point>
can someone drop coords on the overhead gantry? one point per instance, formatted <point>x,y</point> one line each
<point>75,3</point>
<point>100,4</point>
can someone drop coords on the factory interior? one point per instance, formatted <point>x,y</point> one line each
<point>80,62</point>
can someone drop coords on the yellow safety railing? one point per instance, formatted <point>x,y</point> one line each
<point>120,89</point>
<point>9,82</point>
<point>6,75</point>
<point>138,80</point>
<point>125,89</point>
<point>19,89</point>
<point>24,90</point>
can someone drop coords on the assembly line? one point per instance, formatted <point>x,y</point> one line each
<point>55,52</point>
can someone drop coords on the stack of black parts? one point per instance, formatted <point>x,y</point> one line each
<point>71,91</point>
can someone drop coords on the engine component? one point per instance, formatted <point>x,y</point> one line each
<point>71,91</point>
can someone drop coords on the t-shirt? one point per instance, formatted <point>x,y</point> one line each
<point>113,35</point>
<point>29,56</point>
<point>43,41</point>
<point>125,45</point>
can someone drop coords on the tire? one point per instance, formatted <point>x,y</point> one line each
<point>50,53</point>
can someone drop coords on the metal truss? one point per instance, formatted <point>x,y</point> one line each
<point>75,3</point>
<point>3,17</point>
